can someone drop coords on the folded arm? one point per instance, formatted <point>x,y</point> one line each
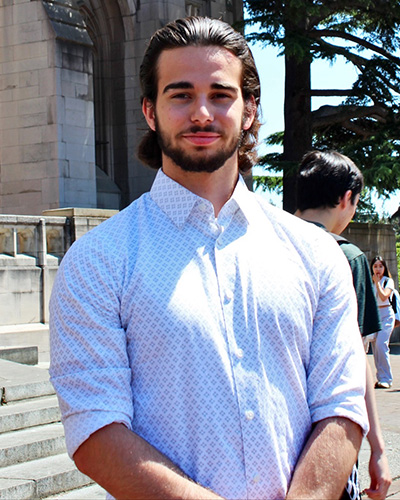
<point>128,467</point>
<point>326,460</point>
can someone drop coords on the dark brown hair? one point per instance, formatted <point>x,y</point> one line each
<point>386,271</point>
<point>200,31</point>
<point>324,177</point>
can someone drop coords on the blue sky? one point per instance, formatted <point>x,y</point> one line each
<point>324,75</point>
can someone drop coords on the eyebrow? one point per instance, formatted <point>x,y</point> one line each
<point>188,85</point>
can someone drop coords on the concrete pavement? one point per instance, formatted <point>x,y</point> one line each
<point>388,403</point>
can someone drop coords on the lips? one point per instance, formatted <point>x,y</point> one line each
<point>202,138</point>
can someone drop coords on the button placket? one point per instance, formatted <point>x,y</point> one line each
<point>226,261</point>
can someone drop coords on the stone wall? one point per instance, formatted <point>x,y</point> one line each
<point>70,118</point>
<point>27,270</point>
<point>27,121</point>
<point>31,249</point>
<point>377,239</point>
<point>47,112</point>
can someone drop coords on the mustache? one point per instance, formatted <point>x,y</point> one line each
<point>207,128</point>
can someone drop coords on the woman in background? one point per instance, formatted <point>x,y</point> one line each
<point>384,286</point>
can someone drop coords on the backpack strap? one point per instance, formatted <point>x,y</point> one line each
<point>391,298</point>
<point>340,240</point>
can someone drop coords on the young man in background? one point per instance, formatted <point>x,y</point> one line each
<point>328,189</point>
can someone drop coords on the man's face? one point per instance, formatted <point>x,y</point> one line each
<point>199,114</point>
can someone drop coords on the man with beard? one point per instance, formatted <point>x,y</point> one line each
<point>200,346</point>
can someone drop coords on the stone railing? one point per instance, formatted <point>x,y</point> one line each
<point>31,248</point>
<point>34,236</point>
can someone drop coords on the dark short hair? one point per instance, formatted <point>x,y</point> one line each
<point>324,177</point>
<point>200,31</point>
<point>378,258</point>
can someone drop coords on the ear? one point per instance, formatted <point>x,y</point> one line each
<point>346,198</point>
<point>149,113</point>
<point>250,110</point>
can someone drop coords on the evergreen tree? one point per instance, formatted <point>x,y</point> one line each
<point>366,125</point>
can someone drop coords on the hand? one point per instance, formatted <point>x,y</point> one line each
<point>380,476</point>
<point>375,279</point>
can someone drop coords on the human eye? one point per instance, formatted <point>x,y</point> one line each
<point>180,96</point>
<point>222,96</point>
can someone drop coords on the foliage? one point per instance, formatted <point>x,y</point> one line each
<point>268,183</point>
<point>366,125</point>
<point>366,211</point>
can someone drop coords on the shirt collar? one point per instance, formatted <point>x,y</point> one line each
<point>177,202</point>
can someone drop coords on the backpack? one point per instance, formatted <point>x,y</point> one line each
<point>395,303</point>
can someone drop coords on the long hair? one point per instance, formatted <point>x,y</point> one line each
<point>200,31</point>
<point>386,271</point>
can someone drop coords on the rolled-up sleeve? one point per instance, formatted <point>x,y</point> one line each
<point>89,364</point>
<point>336,371</point>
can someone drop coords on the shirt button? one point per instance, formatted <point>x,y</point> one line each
<point>228,296</point>
<point>256,479</point>
<point>239,353</point>
<point>249,414</point>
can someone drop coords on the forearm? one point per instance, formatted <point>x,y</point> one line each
<point>374,436</point>
<point>128,467</point>
<point>383,293</point>
<point>378,464</point>
<point>326,460</point>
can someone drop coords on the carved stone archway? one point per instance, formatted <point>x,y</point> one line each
<point>106,29</point>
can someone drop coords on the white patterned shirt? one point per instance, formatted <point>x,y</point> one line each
<point>218,340</point>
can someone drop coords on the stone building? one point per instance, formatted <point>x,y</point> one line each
<point>70,116</point>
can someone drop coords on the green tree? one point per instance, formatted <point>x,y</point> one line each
<point>367,122</point>
<point>366,210</point>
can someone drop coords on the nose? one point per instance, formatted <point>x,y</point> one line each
<point>202,111</point>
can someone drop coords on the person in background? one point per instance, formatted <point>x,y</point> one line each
<point>328,189</point>
<point>384,286</point>
<point>201,348</point>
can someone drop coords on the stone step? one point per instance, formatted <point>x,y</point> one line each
<point>92,492</point>
<point>40,478</point>
<point>29,413</point>
<point>30,444</point>
<point>27,355</point>
<point>18,382</point>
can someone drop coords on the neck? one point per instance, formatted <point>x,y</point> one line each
<point>216,187</point>
<point>324,216</point>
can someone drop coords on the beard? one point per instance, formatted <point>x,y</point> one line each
<point>206,162</point>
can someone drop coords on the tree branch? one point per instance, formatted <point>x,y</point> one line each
<point>330,92</point>
<point>355,59</point>
<point>357,129</point>
<point>352,38</point>
<point>330,115</point>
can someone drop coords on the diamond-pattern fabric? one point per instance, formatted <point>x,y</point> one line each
<point>218,340</point>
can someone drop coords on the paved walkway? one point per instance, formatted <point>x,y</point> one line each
<point>388,402</point>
